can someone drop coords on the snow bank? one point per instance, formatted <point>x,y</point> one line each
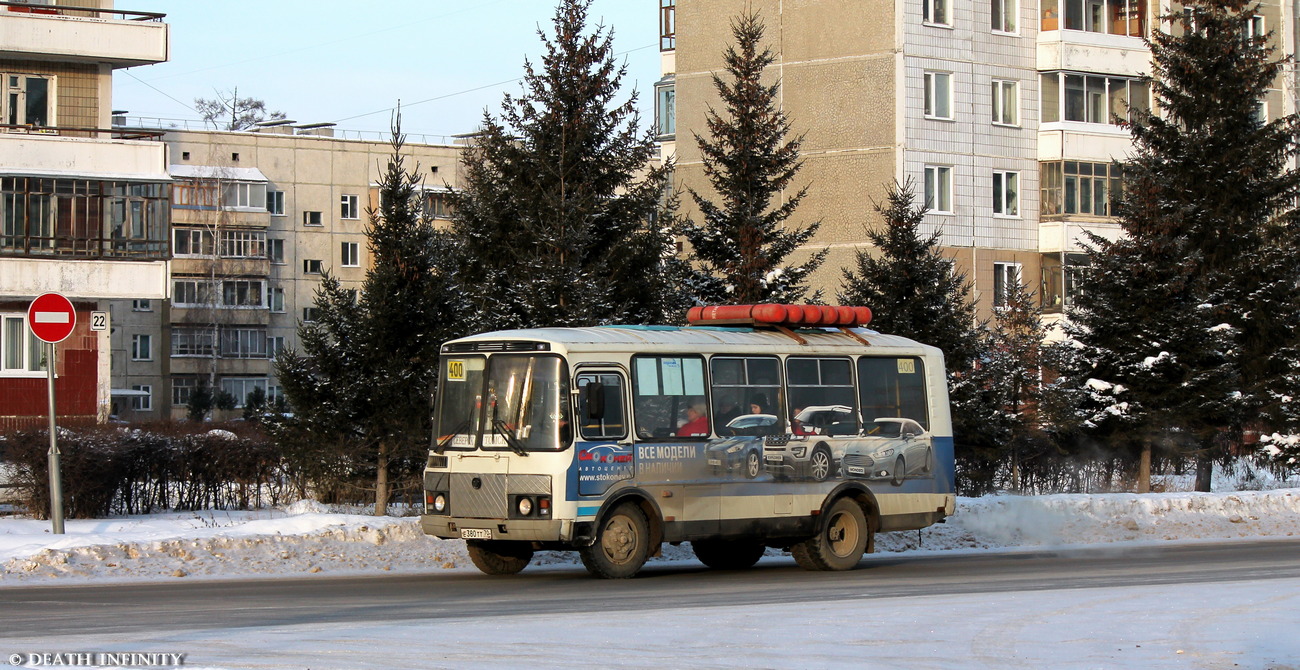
<point>304,539</point>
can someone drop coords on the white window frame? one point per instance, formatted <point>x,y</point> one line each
<point>142,305</point>
<point>351,255</point>
<point>937,192</point>
<point>309,314</point>
<point>312,218</point>
<point>936,13</point>
<point>1005,15</point>
<point>142,403</point>
<point>17,115</point>
<point>938,95</point>
<point>666,108</point>
<point>349,207</point>
<point>245,195</point>
<point>245,386</point>
<point>182,387</point>
<point>274,345</point>
<point>1006,194</point>
<point>142,347</point>
<point>1003,273</point>
<point>276,301</point>
<point>1006,102</point>
<point>312,266</point>
<point>26,360</point>
<point>275,203</point>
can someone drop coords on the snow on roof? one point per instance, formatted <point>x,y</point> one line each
<point>216,172</point>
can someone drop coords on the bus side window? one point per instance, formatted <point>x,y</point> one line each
<point>747,397</point>
<point>664,388</point>
<point>600,406</point>
<point>821,396</point>
<point>893,387</point>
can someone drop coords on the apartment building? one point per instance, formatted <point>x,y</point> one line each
<point>83,207</point>
<point>258,217</point>
<point>1000,112</point>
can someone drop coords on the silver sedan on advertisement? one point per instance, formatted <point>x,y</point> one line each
<point>890,449</point>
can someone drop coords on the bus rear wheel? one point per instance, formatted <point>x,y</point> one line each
<point>622,544</point>
<point>728,554</point>
<point>840,541</point>
<point>499,558</point>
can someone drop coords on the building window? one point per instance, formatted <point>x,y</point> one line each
<point>245,195</point>
<point>1006,102</point>
<point>192,242</point>
<point>1068,96</point>
<point>26,100</point>
<point>437,205</point>
<point>309,314</point>
<point>938,189</point>
<point>311,266</point>
<point>1254,28</point>
<point>938,95</point>
<point>240,388</point>
<point>277,300</point>
<point>275,249</point>
<point>667,25</point>
<point>274,345</point>
<point>20,351</point>
<point>351,253</point>
<point>348,207</point>
<point>311,219</point>
<point>666,108</point>
<point>142,347</point>
<point>936,12</point>
<point>141,305</point>
<point>182,389</point>
<point>1078,187</point>
<point>187,341</point>
<point>242,292</point>
<point>1004,15</point>
<point>84,218</point>
<point>243,342</point>
<point>1114,17</point>
<point>275,203</point>
<point>142,403</point>
<point>1006,276</point>
<point>191,292</point>
<point>1006,194</point>
<point>243,244</point>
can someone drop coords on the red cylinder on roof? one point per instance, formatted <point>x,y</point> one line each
<point>779,315</point>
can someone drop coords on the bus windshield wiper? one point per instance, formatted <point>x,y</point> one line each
<point>441,445</point>
<point>515,445</point>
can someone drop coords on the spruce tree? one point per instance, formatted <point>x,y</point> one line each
<point>743,241</point>
<point>915,291</point>
<point>559,220</point>
<point>369,360</point>
<point>1193,316</point>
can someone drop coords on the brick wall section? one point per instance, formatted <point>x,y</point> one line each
<point>76,89</point>
<point>24,402</point>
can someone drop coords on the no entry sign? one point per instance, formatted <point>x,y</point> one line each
<point>51,317</point>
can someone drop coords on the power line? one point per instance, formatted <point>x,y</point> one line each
<point>390,110</point>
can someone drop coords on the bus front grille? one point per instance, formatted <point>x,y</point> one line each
<point>486,496</point>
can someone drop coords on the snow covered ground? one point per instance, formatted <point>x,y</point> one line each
<point>1247,624</point>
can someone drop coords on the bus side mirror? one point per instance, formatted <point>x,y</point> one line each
<point>593,397</point>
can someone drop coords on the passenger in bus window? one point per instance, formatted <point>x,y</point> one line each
<point>796,426</point>
<point>758,404</point>
<point>697,421</point>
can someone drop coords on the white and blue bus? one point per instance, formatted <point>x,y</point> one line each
<point>614,440</point>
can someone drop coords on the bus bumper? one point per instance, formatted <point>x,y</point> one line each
<point>524,530</point>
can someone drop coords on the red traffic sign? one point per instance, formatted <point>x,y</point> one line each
<point>51,317</point>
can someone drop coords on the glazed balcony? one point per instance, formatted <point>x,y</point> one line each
<point>84,34</point>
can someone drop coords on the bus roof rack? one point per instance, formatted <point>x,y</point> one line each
<point>783,318</point>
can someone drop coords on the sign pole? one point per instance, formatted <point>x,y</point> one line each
<point>56,480</point>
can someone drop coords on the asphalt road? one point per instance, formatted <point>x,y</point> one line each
<point>50,612</point>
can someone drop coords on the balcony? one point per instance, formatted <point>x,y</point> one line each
<point>67,33</point>
<point>85,279</point>
<point>57,151</point>
<point>1084,51</point>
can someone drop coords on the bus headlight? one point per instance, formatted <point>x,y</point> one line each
<point>525,506</point>
<point>437,502</point>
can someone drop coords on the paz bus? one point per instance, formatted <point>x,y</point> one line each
<point>755,426</point>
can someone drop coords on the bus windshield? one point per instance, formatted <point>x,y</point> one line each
<point>509,402</point>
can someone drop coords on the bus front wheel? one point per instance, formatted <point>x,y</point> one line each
<point>622,544</point>
<point>840,541</point>
<point>499,558</point>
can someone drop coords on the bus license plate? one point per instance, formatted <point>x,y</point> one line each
<point>475,534</point>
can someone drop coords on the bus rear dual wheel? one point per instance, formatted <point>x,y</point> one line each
<point>841,539</point>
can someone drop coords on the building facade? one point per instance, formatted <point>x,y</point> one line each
<point>258,217</point>
<point>83,206</point>
<point>1003,115</point>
